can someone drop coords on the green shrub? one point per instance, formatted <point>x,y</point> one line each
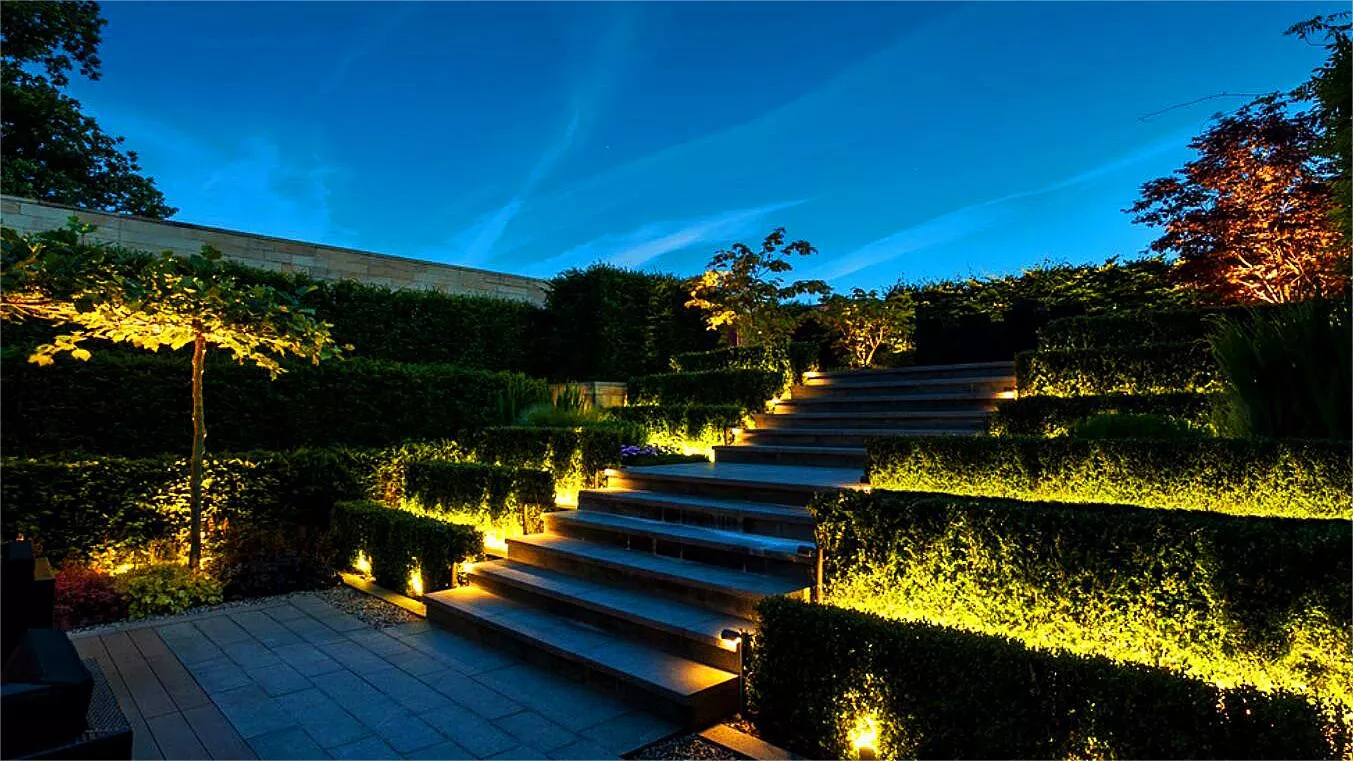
<point>135,405</point>
<point>1135,425</point>
<point>794,359</point>
<point>815,670</point>
<point>1056,415</point>
<point>491,497</point>
<point>1281,478</point>
<point>688,427</point>
<point>1288,371</point>
<point>1154,369</point>
<point>749,389</point>
<point>1261,602</point>
<point>399,542</point>
<point>1131,328</point>
<point>166,588</point>
<point>574,457</point>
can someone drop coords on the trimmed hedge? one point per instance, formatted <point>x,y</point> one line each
<point>1263,602</point>
<point>814,670</point>
<point>796,358</point>
<point>140,404</point>
<point>507,499</point>
<point>575,457</point>
<point>748,389</point>
<point>1131,328</point>
<point>690,426</point>
<point>1055,415</point>
<point>1154,369</point>
<point>1281,478</point>
<point>397,542</point>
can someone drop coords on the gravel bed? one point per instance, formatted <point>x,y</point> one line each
<point>686,746</point>
<point>371,609</point>
<point>253,602</point>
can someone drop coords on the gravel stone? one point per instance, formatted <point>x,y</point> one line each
<point>687,746</point>
<point>370,609</point>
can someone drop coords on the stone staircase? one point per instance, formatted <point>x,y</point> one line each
<point>637,587</point>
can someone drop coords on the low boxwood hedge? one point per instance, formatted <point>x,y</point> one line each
<point>491,497</point>
<point>748,389</point>
<point>685,426</point>
<point>1263,602</point>
<point>398,542</point>
<point>575,457</point>
<point>1154,369</point>
<point>794,358</point>
<point>1055,415</point>
<point>1282,478</point>
<point>815,671</point>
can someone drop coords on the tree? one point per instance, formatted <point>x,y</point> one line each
<point>1251,217</point>
<point>865,323</point>
<point>1330,90</point>
<point>49,149</point>
<point>742,289</point>
<point>153,302</point>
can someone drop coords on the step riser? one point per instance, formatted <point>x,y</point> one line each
<point>725,558</point>
<point>668,641</point>
<point>770,493</point>
<point>725,602</point>
<point>709,706</point>
<point>976,386</point>
<point>696,516</point>
<point>760,456</point>
<point>973,422</point>
<point>883,405</point>
<point>772,437</point>
<point>913,373</point>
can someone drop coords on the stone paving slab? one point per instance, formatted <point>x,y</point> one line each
<point>303,680</point>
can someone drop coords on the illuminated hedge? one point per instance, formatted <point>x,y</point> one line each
<point>1154,369</point>
<point>1055,415</point>
<point>693,427</point>
<point>815,670</point>
<point>794,359</point>
<point>1135,328</point>
<point>1281,478</point>
<point>1263,602</point>
<point>490,497</point>
<point>398,542</point>
<point>749,389</point>
<point>575,457</point>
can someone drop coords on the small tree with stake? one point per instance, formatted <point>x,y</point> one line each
<point>864,323</point>
<point>154,301</point>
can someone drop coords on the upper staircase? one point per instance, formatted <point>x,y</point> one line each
<point>639,585</point>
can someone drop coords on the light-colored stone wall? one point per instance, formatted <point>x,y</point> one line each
<point>264,252</point>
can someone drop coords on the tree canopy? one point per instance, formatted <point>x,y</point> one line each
<point>49,149</point>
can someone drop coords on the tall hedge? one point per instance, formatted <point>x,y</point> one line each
<point>575,457</point>
<point>398,542</point>
<point>748,389</point>
<point>1265,602</point>
<point>1281,478</point>
<point>816,670</point>
<point>1153,369</point>
<point>1133,328</point>
<point>1055,415</point>
<point>139,404</point>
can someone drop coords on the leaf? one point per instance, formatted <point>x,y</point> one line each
<point>80,354</point>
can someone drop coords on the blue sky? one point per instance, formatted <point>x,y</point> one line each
<point>905,140</point>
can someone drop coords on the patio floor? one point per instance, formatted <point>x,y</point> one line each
<point>300,679</point>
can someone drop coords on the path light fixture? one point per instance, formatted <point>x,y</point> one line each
<point>732,639</point>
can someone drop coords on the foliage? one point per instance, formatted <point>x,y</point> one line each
<point>1281,478</point>
<point>1056,415</point>
<point>167,588</point>
<point>1287,372</point>
<point>1151,369</point>
<point>864,322</point>
<point>791,360</point>
<point>1135,425</point>
<point>743,290</point>
<point>400,543</point>
<point>650,454</point>
<point>260,560</point>
<point>1135,328</point>
<point>1257,602</point>
<point>574,457</point>
<point>115,404</point>
<point>86,596</point>
<point>607,323</point>
<point>51,150</point>
<point>1331,90</point>
<point>1251,218</point>
<point>490,497</point>
<point>687,427</point>
<point>748,389</point>
<point>815,670</point>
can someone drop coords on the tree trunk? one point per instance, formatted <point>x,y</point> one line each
<point>199,447</point>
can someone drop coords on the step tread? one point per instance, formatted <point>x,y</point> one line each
<point>751,544</point>
<point>843,432</point>
<point>685,501</point>
<point>904,382</point>
<point>994,365</point>
<point>945,397</point>
<point>670,675</point>
<point>701,575</point>
<point>774,476</point>
<point>797,449</point>
<point>887,414</point>
<point>688,620</point>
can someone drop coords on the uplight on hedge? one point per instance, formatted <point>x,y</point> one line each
<point>864,737</point>
<point>362,563</point>
<point>416,581</point>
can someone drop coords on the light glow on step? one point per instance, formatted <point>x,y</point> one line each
<point>1006,394</point>
<point>495,542</point>
<point>729,639</point>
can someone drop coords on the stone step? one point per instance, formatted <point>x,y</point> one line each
<point>688,631</point>
<point>897,420</point>
<point>833,437</point>
<point>722,589</point>
<point>785,521</point>
<point>889,403</point>
<point>778,484</point>
<point>985,384</point>
<point>778,454</point>
<point>686,690</point>
<point>842,377</point>
<point>751,553</point>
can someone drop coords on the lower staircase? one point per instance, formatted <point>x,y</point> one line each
<point>648,584</point>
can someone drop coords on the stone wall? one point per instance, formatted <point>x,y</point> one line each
<point>322,262</point>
